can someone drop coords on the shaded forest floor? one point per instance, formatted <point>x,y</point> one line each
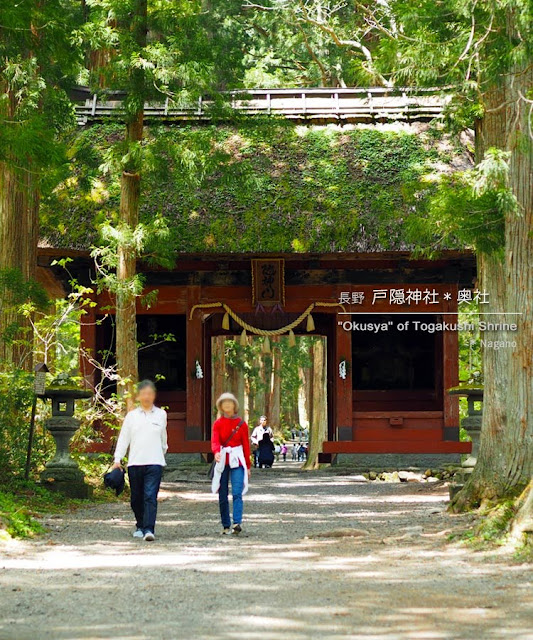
<point>322,556</point>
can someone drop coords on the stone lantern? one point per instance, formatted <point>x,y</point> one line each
<point>62,472</point>
<point>472,422</point>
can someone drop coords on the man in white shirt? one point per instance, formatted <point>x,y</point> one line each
<point>257,436</point>
<point>144,432</point>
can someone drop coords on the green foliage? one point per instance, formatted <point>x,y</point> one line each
<point>148,241</point>
<point>16,396</point>
<point>293,361</point>
<point>465,45</point>
<point>18,291</point>
<point>312,43</point>
<point>468,208</point>
<point>470,355</point>
<point>256,368</point>
<point>264,186</point>
<point>56,342</point>
<point>37,64</point>
<point>94,466</point>
<point>179,60</point>
<point>19,298</point>
<point>16,518</point>
<point>57,335</point>
<point>22,502</point>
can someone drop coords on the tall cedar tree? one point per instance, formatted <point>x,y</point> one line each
<point>153,51</point>
<point>37,62</point>
<point>130,193</point>
<point>484,50</point>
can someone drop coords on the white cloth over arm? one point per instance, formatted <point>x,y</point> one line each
<point>235,456</point>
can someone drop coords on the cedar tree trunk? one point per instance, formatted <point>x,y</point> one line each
<point>318,418</point>
<point>130,191</point>
<point>19,224</point>
<point>274,416</point>
<point>505,463</point>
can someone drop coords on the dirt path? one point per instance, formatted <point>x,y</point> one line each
<point>397,578</point>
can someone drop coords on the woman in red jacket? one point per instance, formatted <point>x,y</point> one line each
<point>230,442</point>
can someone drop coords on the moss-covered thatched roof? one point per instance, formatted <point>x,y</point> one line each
<point>264,186</point>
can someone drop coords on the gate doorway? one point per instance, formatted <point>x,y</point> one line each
<point>293,384</point>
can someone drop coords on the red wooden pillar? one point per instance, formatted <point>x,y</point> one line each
<point>450,368</point>
<point>343,388</point>
<point>194,429</point>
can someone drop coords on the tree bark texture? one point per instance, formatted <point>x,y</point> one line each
<point>505,463</point>
<point>126,304</point>
<point>274,415</point>
<point>318,419</point>
<point>130,192</point>
<point>19,224</point>
<point>522,528</point>
<point>219,368</point>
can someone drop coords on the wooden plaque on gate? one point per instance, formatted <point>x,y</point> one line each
<point>268,281</point>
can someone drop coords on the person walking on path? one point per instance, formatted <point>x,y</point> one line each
<point>295,452</point>
<point>230,442</point>
<point>144,433</point>
<point>266,452</point>
<point>257,436</point>
<point>284,452</point>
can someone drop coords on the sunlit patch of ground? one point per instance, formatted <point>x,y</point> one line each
<point>296,573</point>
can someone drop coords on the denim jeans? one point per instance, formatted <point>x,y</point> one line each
<point>237,485</point>
<point>144,484</point>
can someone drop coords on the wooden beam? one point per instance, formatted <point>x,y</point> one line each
<point>397,447</point>
<point>195,386</point>
<point>343,399</point>
<point>422,415</point>
<point>450,364</point>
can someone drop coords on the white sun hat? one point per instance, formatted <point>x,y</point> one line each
<point>228,396</point>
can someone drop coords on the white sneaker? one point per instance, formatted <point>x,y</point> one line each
<point>138,533</point>
<point>149,537</point>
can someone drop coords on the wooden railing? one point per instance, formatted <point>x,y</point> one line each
<point>319,104</point>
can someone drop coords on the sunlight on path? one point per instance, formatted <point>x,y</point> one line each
<point>321,556</point>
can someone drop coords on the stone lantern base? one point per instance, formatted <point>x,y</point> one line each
<point>62,473</point>
<point>68,482</point>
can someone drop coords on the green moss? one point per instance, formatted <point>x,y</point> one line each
<point>16,518</point>
<point>495,524</point>
<point>261,186</point>
<point>22,502</point>
<point>493,527</point>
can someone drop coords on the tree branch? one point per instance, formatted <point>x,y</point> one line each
<point>320,65</point>
<point>341,42</point>
<point>251,6</point>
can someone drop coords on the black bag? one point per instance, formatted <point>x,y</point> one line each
<point>211,471</point>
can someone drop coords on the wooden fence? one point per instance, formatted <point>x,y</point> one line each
<point>317,104</point>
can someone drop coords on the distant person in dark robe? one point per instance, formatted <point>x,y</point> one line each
<point>266,452</point>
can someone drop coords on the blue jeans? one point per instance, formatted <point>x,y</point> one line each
<point>237,485</point>
<point>144,484</point>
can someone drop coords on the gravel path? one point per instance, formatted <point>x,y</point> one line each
<point>322,556</point>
